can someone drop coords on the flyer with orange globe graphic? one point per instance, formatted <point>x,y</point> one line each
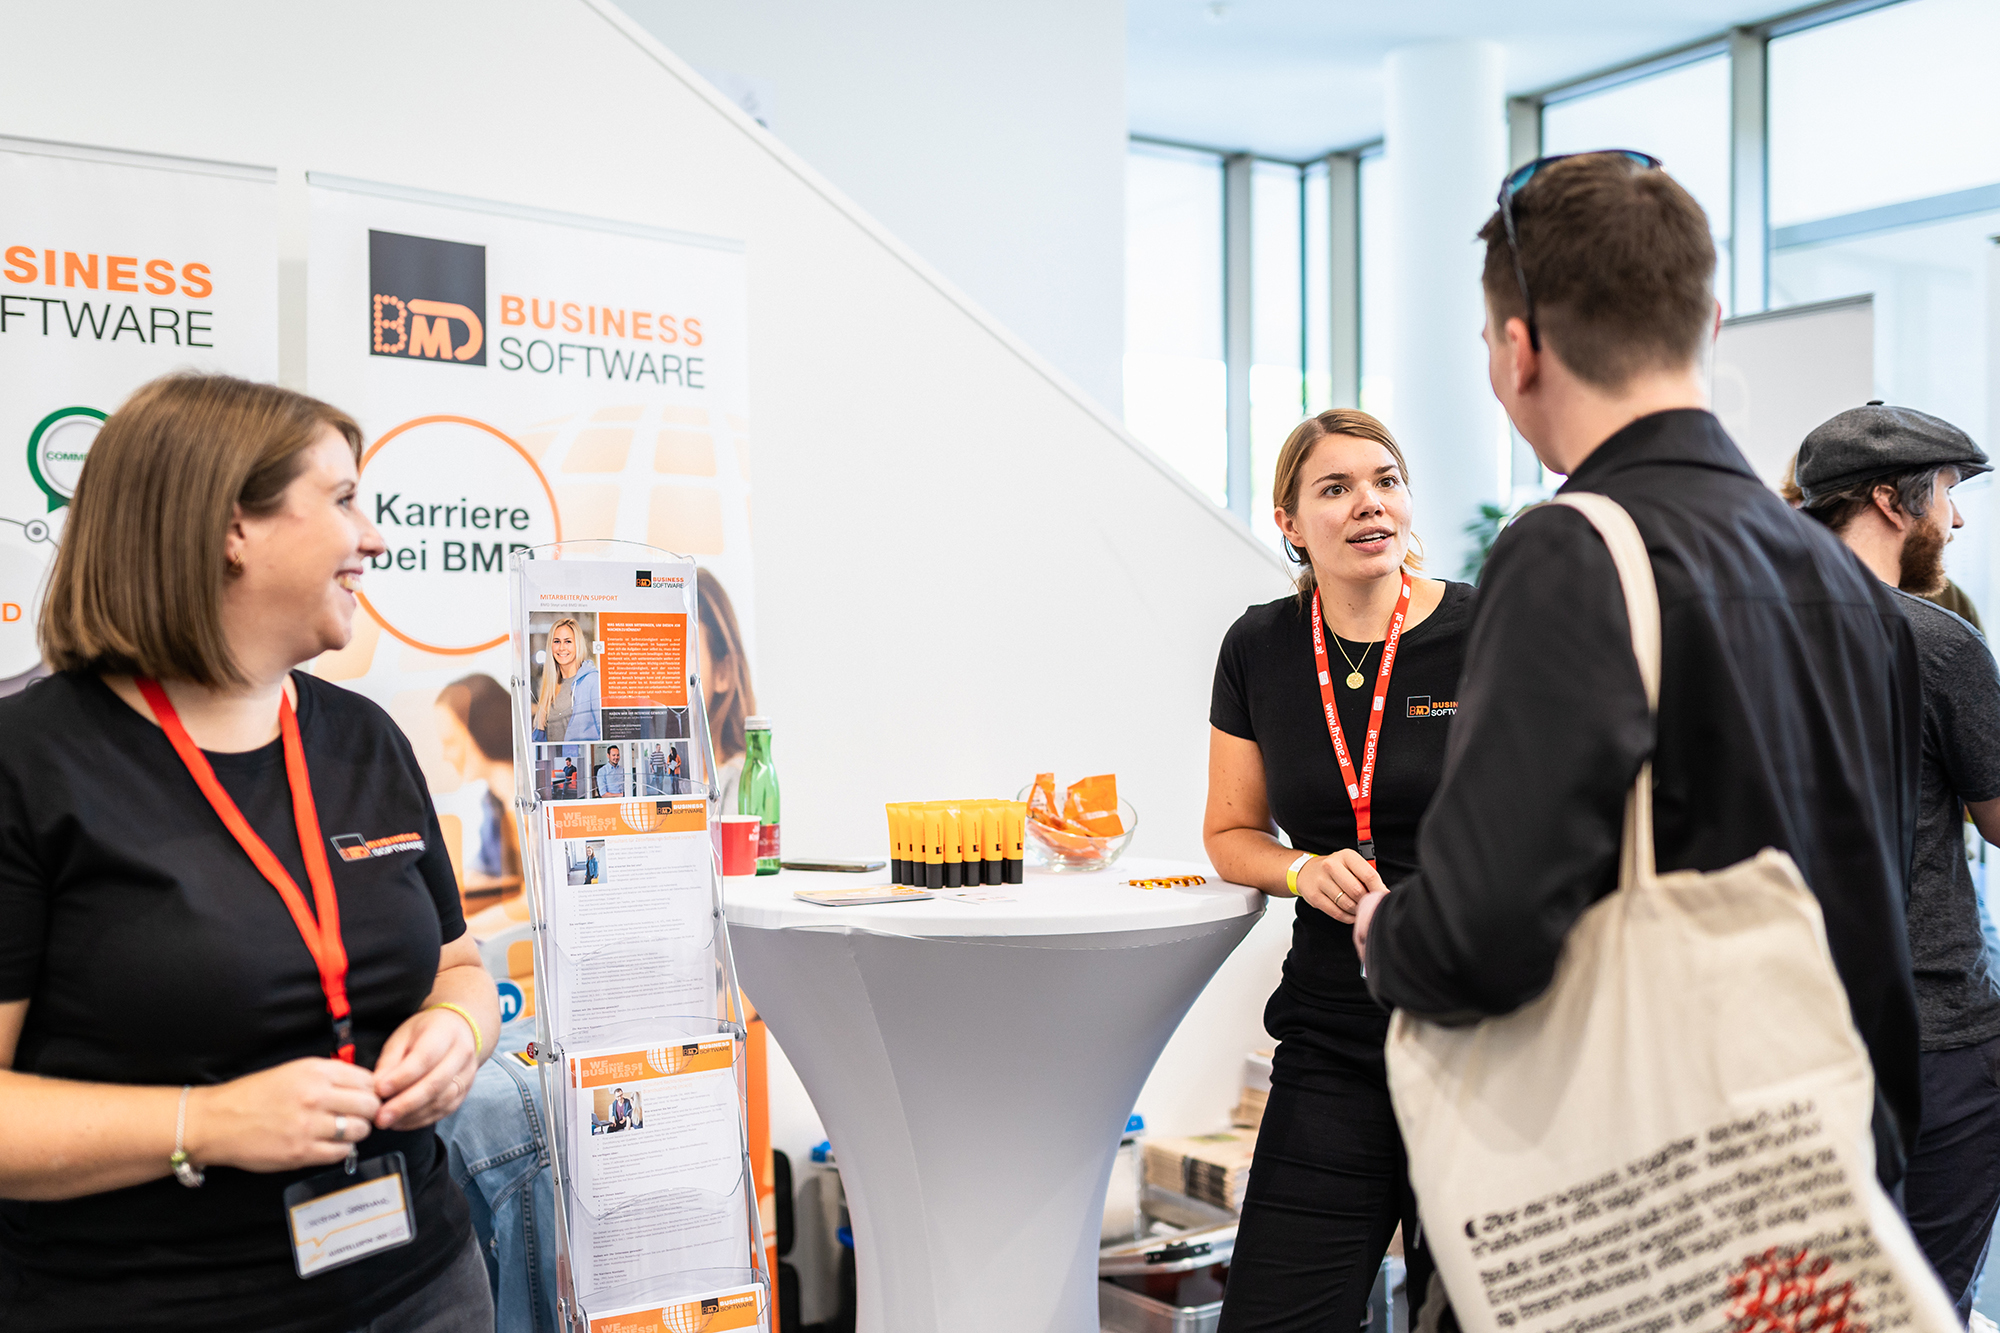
<point>713,1313</point>
<point>655,1148</point>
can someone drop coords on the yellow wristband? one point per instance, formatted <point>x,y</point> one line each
<point>1292,872</point>
<point>478,1040</point>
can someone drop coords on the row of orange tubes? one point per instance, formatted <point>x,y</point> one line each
<point>956,844</point>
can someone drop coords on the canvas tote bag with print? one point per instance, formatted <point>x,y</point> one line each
<point>1675,1135</point>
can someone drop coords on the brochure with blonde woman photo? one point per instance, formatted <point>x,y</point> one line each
<point>607,666</point>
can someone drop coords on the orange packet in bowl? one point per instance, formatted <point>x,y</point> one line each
<point>1093,803</point>
<point>1042,800</point>
<point>1077,845</point>
<point>1066,822</point>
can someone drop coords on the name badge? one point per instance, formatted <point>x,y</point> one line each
<point>341,1216</point>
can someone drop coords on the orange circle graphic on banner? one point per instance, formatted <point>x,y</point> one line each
<point>498,434</point>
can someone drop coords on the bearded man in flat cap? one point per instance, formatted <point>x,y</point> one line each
<point>1881,478</point>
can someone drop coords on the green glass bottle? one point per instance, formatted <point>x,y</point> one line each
<point>757,791</point>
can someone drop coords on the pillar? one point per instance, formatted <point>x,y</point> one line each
<point>1749,176</point>
<point>1343,198</point>
<point>1445,143</point>
<point>1238,321</point>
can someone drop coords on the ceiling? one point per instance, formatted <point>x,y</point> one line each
<point>1295,78</point>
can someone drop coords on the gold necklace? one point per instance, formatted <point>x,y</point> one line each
<point>1354,676</point>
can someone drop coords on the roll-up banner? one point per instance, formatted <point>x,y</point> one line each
<point>522,377</point>
<point>114,268</point>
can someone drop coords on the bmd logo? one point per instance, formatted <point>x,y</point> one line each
<point>427,298</point>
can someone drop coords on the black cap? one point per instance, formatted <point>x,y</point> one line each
<point>1877,441</point>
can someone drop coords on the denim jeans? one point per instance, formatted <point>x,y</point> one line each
<point>1986,926</point>
<point>498,1143</point>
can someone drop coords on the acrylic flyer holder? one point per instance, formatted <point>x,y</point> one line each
<point>639,1023</point>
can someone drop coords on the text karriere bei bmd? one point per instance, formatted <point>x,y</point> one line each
<point>393,511</point>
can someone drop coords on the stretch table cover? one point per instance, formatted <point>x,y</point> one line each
<point>974,1065</point>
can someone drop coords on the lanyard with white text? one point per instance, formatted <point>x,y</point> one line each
<point>322,936</point>
<point>1359,788</point>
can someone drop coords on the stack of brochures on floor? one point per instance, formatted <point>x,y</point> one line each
<point>1214,1168</point>
<point>1249,1112</point>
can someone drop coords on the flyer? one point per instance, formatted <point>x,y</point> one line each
<point>655,1147</point>
<point>631,915</point>
<point>712,1312</point>
<point>607,669</point>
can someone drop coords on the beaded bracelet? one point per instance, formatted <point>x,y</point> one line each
<point>185,1171</point>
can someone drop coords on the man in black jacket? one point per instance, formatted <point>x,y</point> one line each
<point>1789,707</point>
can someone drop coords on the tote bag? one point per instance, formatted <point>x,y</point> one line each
<point>1675,1135</point>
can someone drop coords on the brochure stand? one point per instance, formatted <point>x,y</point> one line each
<point>639,1023</point>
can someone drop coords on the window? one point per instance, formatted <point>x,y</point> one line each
<point>1175,391</point>
<point>1889,106</point>
<point>1680,116</point>
<point>1885,179</point>
<point>1176,384</point>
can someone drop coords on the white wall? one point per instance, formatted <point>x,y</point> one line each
<point>965,572</point>
<point>989,138</point>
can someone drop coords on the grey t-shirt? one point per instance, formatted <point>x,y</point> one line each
<point>1958,1001</point>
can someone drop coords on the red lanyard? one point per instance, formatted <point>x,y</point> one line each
<point>322,936</point>
<point>1359,788</point>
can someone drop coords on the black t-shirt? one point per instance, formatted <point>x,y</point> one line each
<point>1267,691</point>
<point>1958,1002</point>
<point>151,951</point>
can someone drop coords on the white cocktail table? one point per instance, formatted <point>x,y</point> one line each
<point>974,1065</point>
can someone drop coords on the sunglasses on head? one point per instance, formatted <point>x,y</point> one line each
<point>1510,189</point>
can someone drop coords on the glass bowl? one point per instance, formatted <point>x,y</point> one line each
<point>1061,853</point>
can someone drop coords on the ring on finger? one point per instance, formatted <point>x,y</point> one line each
<point>454,1089</point>
<point>340,1127</point>
<point>1340,896</point>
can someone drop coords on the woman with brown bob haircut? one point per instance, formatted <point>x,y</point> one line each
<point>231,951</point>
<point>1328,722</point>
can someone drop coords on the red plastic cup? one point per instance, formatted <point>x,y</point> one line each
<point>739,844</point>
